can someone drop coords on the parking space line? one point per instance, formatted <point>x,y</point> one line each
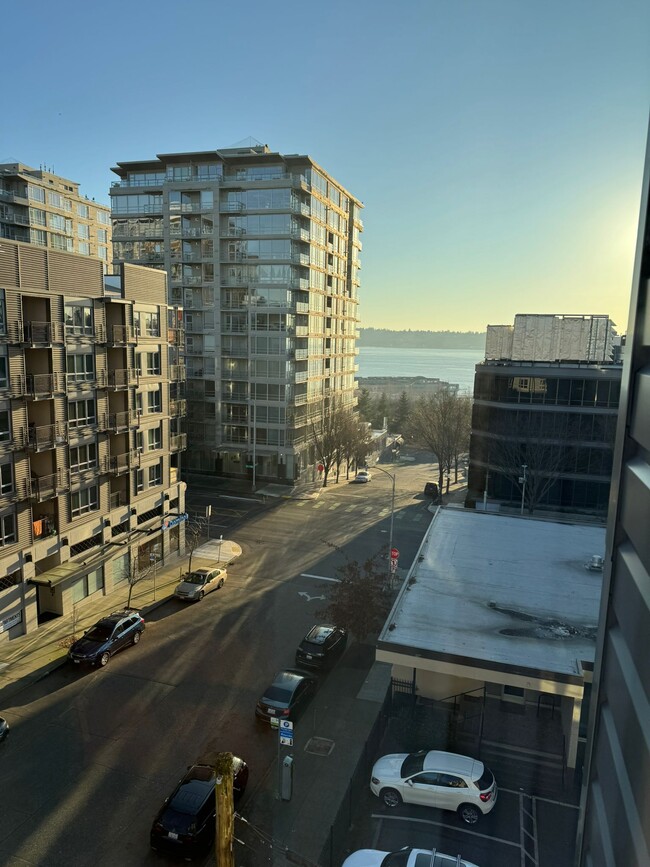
<point>552,801</point>
<point>444,825</point>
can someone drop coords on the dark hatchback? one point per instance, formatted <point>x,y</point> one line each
<point>106,637</point>
<point>286,697</point>
<point>322,647</point>
<point>185,824</point>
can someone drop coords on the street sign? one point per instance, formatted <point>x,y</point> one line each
<point>208,511</point>
<point>394,554</point>
<point>393,564</point>
<point>286,733</point>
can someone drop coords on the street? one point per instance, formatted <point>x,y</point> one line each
<point>93,754</point>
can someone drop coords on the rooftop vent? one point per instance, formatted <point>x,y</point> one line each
<point>595,564</point>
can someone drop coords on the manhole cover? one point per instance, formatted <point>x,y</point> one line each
<point>319,746</point>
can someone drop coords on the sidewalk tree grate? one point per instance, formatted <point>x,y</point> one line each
<point>319,746</point>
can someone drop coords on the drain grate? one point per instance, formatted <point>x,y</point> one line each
<point>319,746</point>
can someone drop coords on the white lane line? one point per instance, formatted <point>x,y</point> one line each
<point>443,825</point>
<point>551,801</point>
<point>319,577</point>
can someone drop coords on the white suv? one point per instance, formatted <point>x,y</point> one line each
<point>436,779</point>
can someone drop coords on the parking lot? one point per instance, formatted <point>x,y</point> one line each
<point>521,831</point>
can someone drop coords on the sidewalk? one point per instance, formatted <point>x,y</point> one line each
<point>29,658</point>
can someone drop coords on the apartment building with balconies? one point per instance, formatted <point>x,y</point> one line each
<point>39,207</point>
<point>90,443</point>
<point>262,252</point>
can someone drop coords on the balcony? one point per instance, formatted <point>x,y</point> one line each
<point>177,372</point>
<point>176,336</point>
<point>136,231</point>
<point>235,396</point>
<point>118,499</point>
<point>302,307</point>
<point>301,376</point>
<point>121,379</point>
<point>230,207</point>
<point>42,438</point>
<point>43,527</point>
<point>178,442</point>
<point>118,422</point>
<point>43,333</point>
<point>177,408</point>
<point>83,332</point>
<point>13,196</point>
<point>121,335</point>
<point>41,386</point>
<point>301,354</point>
<point>47,487</point>
<point>15,217</point>
<point>117,465</point>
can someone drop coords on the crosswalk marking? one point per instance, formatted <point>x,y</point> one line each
<point>334,506</point>
<point>367,509</point>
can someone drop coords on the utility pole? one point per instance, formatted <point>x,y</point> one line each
<point>392,516</point>
<point>225,813</point>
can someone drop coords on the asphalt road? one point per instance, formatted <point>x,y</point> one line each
<point>92,754</point>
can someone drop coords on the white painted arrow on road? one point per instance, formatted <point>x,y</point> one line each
<point>310,598</point>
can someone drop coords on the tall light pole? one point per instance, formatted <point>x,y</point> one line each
<point>392,515</point>
<point>522,482</point>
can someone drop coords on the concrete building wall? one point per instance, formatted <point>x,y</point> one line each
<point>615,814</point>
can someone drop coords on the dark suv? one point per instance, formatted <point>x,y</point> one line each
<point>185,824</point>
<point>431,490</point>
<point>106,637</point>
<point>321,647</point>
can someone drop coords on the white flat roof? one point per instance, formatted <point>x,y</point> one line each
<point>501,589</point>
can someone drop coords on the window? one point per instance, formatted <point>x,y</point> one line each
<point>83,457</point>
<point>154,401</point>
<point>58,201</point>
<point>139,481</point>
<point>6,478</point>
<point>3,313</point>
<point>5,426</point>
<point>104,218</point>
<point>85,500</point>
<point>102,236</point>
<point>84,248</point>
<point>37,216</point>
<point>56,221</point>
<point>82,412</point>
<point>36,194</point>
<point>147,324</point>
<point>83,231</point>
<point>78,318</point>
<point>155,475</point>
<point>148,363</point>
<point>81,367</point>
<point>7,529</point>
<point>38,236</point>
<point>87,585</point>
<point>83,211</point>
<point>58,242</point>
<point>154,438</point>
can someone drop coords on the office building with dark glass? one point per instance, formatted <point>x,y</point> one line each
<point>544,417</point>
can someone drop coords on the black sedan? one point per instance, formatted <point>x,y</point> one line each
<point>286,697</point>
<point>321,647</point>
<point>106,637</point>
<point>185,824</point>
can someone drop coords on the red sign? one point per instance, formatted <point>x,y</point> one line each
<point>394,553</point>
<point>320,468</point>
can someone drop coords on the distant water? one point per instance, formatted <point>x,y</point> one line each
<point>450,365</point>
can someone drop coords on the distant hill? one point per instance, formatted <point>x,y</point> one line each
<point>422,339</point>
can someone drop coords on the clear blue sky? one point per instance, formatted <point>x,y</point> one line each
<point>497,145</point>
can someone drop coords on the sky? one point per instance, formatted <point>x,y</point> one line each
<point>498,146</point>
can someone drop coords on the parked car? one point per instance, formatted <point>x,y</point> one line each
<point>197,583</point>
<point>436,779</point>
<point>106,637</point>
<point>185,824</point>
<point>431,490</point>
<point>4,728</point>
<point>321,647</point>
<point>363,476</point>
<point>406,857</point>
<point>286,697</point>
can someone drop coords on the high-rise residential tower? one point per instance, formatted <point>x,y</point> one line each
<point>39,207</point>
<point>262,251</point>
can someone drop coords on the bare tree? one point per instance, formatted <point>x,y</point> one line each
<point>356,602</point>
<point>194,531</point>
<point>328,437</point>
<point>440,423</point>
<point>133,573</point>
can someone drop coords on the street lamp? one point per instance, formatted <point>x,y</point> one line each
<point>522,482</point>
<point>392,515</point>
